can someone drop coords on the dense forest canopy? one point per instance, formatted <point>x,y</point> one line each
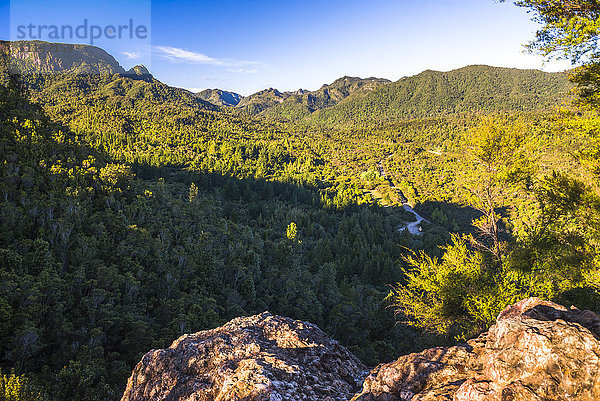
<point>132,212</point>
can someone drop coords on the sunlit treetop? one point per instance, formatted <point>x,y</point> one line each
<point>570,28</point>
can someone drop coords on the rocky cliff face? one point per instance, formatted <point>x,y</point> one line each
<point>537,350</point>
<point>44,57</point>
<point>263,357</point>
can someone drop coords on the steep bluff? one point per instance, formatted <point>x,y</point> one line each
<point>537,350</point>
<point>44,57</point>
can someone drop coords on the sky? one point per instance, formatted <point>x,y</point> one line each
<point>249,45</point>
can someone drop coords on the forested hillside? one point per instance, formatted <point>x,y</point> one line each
<point>355,102</point>
<point>303,103</point>
<point>133,212</point>
<point>469,90</point>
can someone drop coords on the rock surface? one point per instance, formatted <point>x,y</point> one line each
<point>37,56</point>
<point>44,57</point>
<point>263,357</point>
<point>537,350</point>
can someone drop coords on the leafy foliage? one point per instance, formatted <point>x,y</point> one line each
<point>18,388</point>
<point>459,295</point>
<point>570,28</point>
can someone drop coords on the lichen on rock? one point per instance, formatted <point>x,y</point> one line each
<point>262,357</point>
<point>537,350</point>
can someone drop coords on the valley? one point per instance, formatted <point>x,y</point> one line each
<point>395,216</point>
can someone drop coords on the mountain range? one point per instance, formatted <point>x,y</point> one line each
<point>351,100</point>
<point>347,101</point>
<point>271,102</point>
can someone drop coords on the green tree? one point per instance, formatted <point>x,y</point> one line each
<point>193,195</point>
<point>496,147</point>
<point>569,29</point>
<point>18,388</point>
<point>457,296</point>
<point>291,231</point>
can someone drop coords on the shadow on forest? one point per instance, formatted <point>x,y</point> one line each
<point>356,314</point>
<point>136,269</point>
<point>454,217</point>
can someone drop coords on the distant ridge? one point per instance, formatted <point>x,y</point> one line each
<point>467,90</point>
<point>220,97</point>
<point>347,101</point>
<point>300,103</point>
<point>262,100</point>
<point>471,89</point>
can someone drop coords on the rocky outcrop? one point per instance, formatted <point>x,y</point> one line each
<point>537,350</point>
<point>36,56</point>
<point>43,57</point>
<point>263,357</point>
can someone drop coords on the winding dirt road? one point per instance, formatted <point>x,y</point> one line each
<point>414,227</point>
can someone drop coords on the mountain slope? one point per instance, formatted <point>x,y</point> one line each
<point>302,103</point>
<point>294,105</point>
<point>220,97</point>
<point>472,89</point>
<point>85,88</point>
<point>259,101</point>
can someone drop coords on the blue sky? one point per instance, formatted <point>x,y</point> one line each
<point>249,45</point>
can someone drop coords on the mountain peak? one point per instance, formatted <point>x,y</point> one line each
<point>220,97</point>
<point>139,71</point>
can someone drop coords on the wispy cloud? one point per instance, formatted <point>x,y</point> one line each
<point>186,56</point>
<point>133,55</point>
<point>182,55</point>
<point>243,70</point>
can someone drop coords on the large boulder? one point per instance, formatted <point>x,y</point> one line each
<point>262,357</point>
<point>537,350</point>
